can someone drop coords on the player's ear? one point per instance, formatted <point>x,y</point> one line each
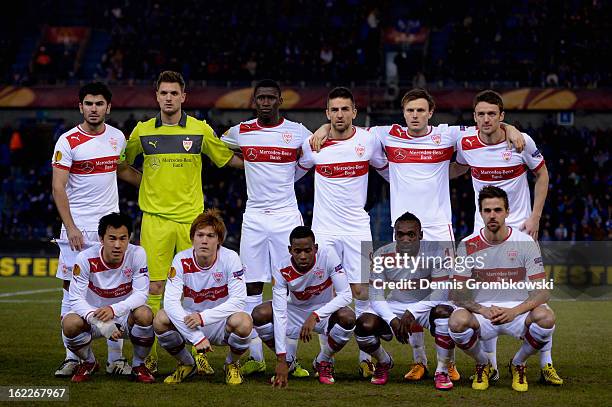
<point>316,248</point>
<point>327,114</point>
<point>108,108</point>
<point>81,107</point>
<point>289,248</point>
<point>420,235</point>
<point>280,100</point>
<point>431,112</point>
<point>501,116</point>
<point>183,96</point>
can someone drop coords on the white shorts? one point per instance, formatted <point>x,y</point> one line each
<point>67,256</point>
<point>216,333</point>
<point>349,250</point>
<point>443,234</point>
<point>296,318</point>
<point>419,310</point>
<point>121,321</point>
<point>264,241</point>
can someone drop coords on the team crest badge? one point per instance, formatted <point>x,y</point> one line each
<point>113,143</point>
<point>507,155</point>
<point>436,138</point>
<point>319,274</point>
<point>512,254</point>
<point>128,272</point>
<point>360,150</point>
<point>187,144</point>
<point>217,276</point>
<point>287,137</point>
<point>76,270</point>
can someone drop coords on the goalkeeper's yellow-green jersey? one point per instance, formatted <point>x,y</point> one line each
<point>171,184</point>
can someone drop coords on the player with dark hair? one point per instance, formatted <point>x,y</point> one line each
<point>170,195</point>
<point>500,253</point>
<point>86,162</point>
<point>204,301</point>
<point>270,146</point>
<point>107,298</point>
<point>311,276</point>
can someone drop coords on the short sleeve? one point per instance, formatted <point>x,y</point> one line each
<point>531,155</point>
<point>230,137</point>
<point>62,155</point>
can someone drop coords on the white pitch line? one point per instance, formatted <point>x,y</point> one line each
<point>28,292</point>
<point>29,302</point>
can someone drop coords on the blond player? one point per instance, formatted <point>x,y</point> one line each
<point>204,300</point>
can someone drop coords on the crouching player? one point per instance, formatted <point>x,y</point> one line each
<point>109,288</point>
<point>209,279</point>
<point>411,264</point>
<point>500,253</point>
<point>310,276</point>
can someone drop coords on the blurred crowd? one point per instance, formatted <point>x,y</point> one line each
<point>577,207</point>
<point>524,42</point>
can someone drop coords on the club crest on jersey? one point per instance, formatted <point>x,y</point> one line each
<point>58,156</point>
<point>287,137</point>
<point>436,138</point>
<point>318,274</point>
<point>187,144</point>
<point>360,150</point>
<point>507,155</point>
<point>113,143</point>
<point>512,254</point>
<point>217,276</point>
<point>128,272</point>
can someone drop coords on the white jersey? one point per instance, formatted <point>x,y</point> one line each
<point>311,291</point>
<point>92,162</point>
<point>517,258</point>
<point>419,171</point>
<point>270,156</point>
<point>215,292</point>
<point>341,182</point>
<point>502,167</point>
<point>95,284</point>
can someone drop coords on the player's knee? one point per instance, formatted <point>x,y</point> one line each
<point>543,316</point>
<point>365,324</point>
<point>143,316</point>
<point>240,323</point>
<point>262,314</point>
<point>459,320</point>
<point>360,291</point>
<point>255,288</point>
<point>441,311</point>
<point>73,325</point>
<point>156,287</point>
<point>345,317</point>
<point>161,322</point>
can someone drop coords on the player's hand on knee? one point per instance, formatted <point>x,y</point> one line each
<point>503,316</point>
<point>281,374</point>
<point>396,326</point>
<point>308,327</point>
<point>204,346</point>
<point>193,321</point>
<point>104,314</point>
<point>487,312</point>
<point>116,335</point>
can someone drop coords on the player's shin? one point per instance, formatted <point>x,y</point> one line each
<point>142,338</point>
<point>80,345</point>
<point>238,345</point>
<point>444,344</point>
<point>468,341</point>
<point>362,306</point>
<point>536,338</point>
<point>336,339</point>
<point>174,344</point>
<point>371,346</point>
<point>417,342</point>
<point>255,346</point>
<point>266,334</point>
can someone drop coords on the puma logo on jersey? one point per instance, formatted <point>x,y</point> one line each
<point>153,143</point>
<point>469,141</point>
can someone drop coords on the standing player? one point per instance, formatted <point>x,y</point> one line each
<point>341,183</point>
<point>107,298</point>
<point>170,196</point>
<point>500,253</point>
<point>419,157</point>
<point>413,263</point>
<point>204,301</point>
<point>84,186</point>
<point>269,146</point>
<point>492,163</point>
<point>311,276</point>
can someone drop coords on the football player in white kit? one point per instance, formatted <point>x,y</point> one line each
<point>494,254</point>
<point>86,162</point>
<point>270,147</point>
<point>341,183</point>
<point>110,284</point>
<point>419,157</point>
<point>319,296</point>
<point>401,268</point>
<point>204,299</point>
<point>484,151</point>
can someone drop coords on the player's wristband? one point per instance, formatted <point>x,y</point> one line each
<point>201,319</point>
<point>316,316</point>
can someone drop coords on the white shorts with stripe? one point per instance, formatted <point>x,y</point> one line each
<point>348,248</point>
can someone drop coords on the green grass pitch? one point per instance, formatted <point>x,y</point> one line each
<point>31,349</point>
